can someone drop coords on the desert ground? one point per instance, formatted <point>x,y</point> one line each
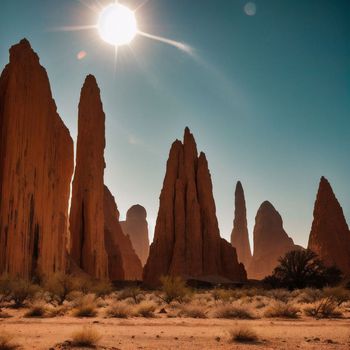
<point>174,317</point>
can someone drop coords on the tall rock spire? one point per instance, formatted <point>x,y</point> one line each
<point>87,207</point>
<point>270,241</point>
<point>36,165</point>
<point>187,240</point>
<point>330,236</point>
<point>239,235</point>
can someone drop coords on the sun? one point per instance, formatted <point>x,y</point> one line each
<point>117,25</point>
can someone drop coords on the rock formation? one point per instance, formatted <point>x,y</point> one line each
<point>239,235</point>
<point>123,263</point>
<point>187,240</point>
<point>270,242</point>
<point>330,236</point>
<point>36,165</point>
<point>87,211</point>
<point>136,227</point>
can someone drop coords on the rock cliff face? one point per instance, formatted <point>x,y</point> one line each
<point>87,211</point>
<point>330,236</point>
<point>239,235</point>
<point>187,240</point>
<point>136,227</point>
<point>270,242</point>
<point>123,263</point>
<point>36,165</point>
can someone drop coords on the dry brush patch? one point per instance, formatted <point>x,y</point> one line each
<point>243,334</point>
<point>7,343</point>
<point>282,310</point>
<point>86,337</point>
<point>231,311</point>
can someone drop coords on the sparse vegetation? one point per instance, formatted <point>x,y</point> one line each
<point>173,288</point>
<point>6,342</point>
<point>119,310</point>
<point>134,293</point>
<point>300,269</point>
<point>234,312</point>
<point>37,310</point>
<point>60,286</point>
<point>193,311</point>
<point>87,337</point>
<point>86,307</point>
<point>282,310</point>
<point>145,309</point>
<point>243,335</point>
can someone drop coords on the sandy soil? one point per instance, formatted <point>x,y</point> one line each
<point>180,333</point>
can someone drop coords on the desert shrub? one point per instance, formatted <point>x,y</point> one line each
<point>279,294</point>
<point>119,310</point>
<point>86,307</point>
<point>134,293</point>
<point>233,311</point>
<point>221,294</point>
<point>173,288</point>
<point>145,309</point>
<point>338,295</point>
<point>87,337</point>
<point>193,311</point>
<point>282,310</point>
<point>21,290</point>
<point>37,310</point>
<point>300,269</point>
<point>309,295</point>
<point>243,335</point>
<point>101,288</point>
<point>6,342</point>
<point>60,285</point>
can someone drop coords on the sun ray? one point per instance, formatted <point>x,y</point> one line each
<point>95,7</point>
<point>179,45</point>
<point>74,28</point>
<point>143,3</point>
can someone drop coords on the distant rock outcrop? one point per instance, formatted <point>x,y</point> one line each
<point>330,236</point>
<point>187,241</point>
<point>239,235</point>
<point>136,227</point>
<point>36,165</point>
<point>87,212</point>
<point>270,242</point>
<point>123,263</point>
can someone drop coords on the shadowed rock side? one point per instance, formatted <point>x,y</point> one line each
<point>123,263</point>
<point>330,236</point>
<point>270,242</point>
<point>136,227</point>
<point>36,165</point>
<point>87,212</point>
<point>187,240</point>
<point>239,235</point>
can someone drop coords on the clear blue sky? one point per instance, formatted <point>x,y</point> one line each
<point>267,96</point>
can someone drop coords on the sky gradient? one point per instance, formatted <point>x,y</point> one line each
<point>265,91</point>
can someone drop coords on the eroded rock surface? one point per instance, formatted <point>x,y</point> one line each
<point>136,227</point>
<point>36,165</point>
<point>270,242</point>
<point>239,235</point>
<point>187,241</point>
<point>330,236</point>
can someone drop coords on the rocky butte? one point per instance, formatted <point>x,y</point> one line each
<point>87,206</point>
<point>270,242</point>
<point>239,235</point>
<point>136,228</point>
<point>330,236</point>
<point>187,241</point>
<point>36,165</point>
<point>123,262</point>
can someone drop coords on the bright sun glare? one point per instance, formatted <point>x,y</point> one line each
<point>117,25</point>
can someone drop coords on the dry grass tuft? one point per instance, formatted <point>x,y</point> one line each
<point>6,342</point>
<point>120,309</point>
<point>145,309</point>
<point>193,311</point>
<point>87,337</point>
<point>282,310</point>
<point>86,307</point>
<point>243,334</point>
<point>233,311</point>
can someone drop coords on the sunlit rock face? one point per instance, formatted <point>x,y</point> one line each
<point>123,262</point>
<point>187,241</point>
<point>87,206</point>
<point>330,236</point>
<point>270,242</point>
<point>36,165</point>
<point>239,235</point>
<point>136,227</point>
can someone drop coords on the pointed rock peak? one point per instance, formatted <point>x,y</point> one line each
<point>91,83</point>
<point>190,143</point>
<point>325,185</point>
<point>239,187</point>
<point>23,51</point>
<point>266,205</point>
